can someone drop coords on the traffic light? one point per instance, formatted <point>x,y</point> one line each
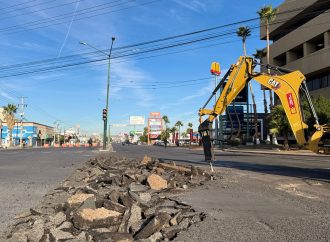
<point>104,114</point>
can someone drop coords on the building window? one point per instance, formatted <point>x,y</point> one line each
<point>295,53</point>
<point>280,60</point>
<point>316,84</point>
<point>324,81</point>
<point>315,44</point>
<point>310,85</point>
<point>319,82</point>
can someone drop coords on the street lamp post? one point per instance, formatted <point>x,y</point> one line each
<point>108,87</point>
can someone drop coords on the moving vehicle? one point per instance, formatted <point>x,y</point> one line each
<point>287,84</point>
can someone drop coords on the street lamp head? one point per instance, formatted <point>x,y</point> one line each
<point>82,43</point>
<point>113,38</point>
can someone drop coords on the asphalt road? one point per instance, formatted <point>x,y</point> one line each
<point>259,197</point>
<point>25,176</point>
<point>308,166</point>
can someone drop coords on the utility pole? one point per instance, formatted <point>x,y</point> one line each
<point>56,128</point>
<point>21,106</point>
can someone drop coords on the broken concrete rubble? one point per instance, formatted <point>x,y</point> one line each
<point>114,199</point>
<point>95,218</point>
<point>156,182</point>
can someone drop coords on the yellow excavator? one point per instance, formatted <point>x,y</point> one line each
<point>287,84</point>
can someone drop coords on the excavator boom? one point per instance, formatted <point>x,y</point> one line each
<point>286,85</point>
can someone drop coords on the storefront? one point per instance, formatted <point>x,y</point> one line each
<point>33,134</point>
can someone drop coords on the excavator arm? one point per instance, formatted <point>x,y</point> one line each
<point>287,87</point>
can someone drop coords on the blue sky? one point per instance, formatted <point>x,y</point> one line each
<point>76,95</point>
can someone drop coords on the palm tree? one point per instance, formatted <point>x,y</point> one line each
<point>244,32</point>
<point>166,120</point>
<point>173,131</point>
<point>260,54</point>
<point>165,134</point>
<point>179,124</point>
<point>267,15</point>
<point>9,115</point>
<point>190,125</point>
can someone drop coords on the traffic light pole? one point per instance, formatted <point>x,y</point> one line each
<point>105,119</point>
<point>107,101</point>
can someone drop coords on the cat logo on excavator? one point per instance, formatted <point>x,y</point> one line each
<point>275,84</point>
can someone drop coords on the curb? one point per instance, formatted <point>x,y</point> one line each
<point>274,152</point>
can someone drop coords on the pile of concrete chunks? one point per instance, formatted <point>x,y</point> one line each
<point>114,199</point>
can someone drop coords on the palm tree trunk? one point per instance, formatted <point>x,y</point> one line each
<point>271,104</point>
<point>256,136</point>
<point>267,37</point>
<point>266,116</point>
<point>238,122</point>
<point>231,124</point>
<point>244,47</point>
<point>10,137</point>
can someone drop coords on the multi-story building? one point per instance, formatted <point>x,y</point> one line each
<point>301,41</point>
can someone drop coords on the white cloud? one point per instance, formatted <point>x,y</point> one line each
<point>130,79</point>
<point>7,96</point>
<point>194,5</point>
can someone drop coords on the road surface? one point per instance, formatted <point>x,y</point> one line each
<point>259,197</point>
<point>26,175</point>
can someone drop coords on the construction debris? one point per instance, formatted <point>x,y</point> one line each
<point>114,199</point>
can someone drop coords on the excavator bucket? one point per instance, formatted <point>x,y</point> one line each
<point>205,130</point>
<point>320,141</point>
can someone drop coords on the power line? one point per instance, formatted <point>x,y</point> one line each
<point>131,46</point>
<point>36,11</point>
<point>19,4</point>
<point>52,20</point>
<point>85,60</point>
<point>14,9</point>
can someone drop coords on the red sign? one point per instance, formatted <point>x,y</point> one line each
<point>291,103</point>
<point>154,114</point>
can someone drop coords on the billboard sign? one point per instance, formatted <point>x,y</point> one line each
<point>155,123</point>
<point>136,120</point>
